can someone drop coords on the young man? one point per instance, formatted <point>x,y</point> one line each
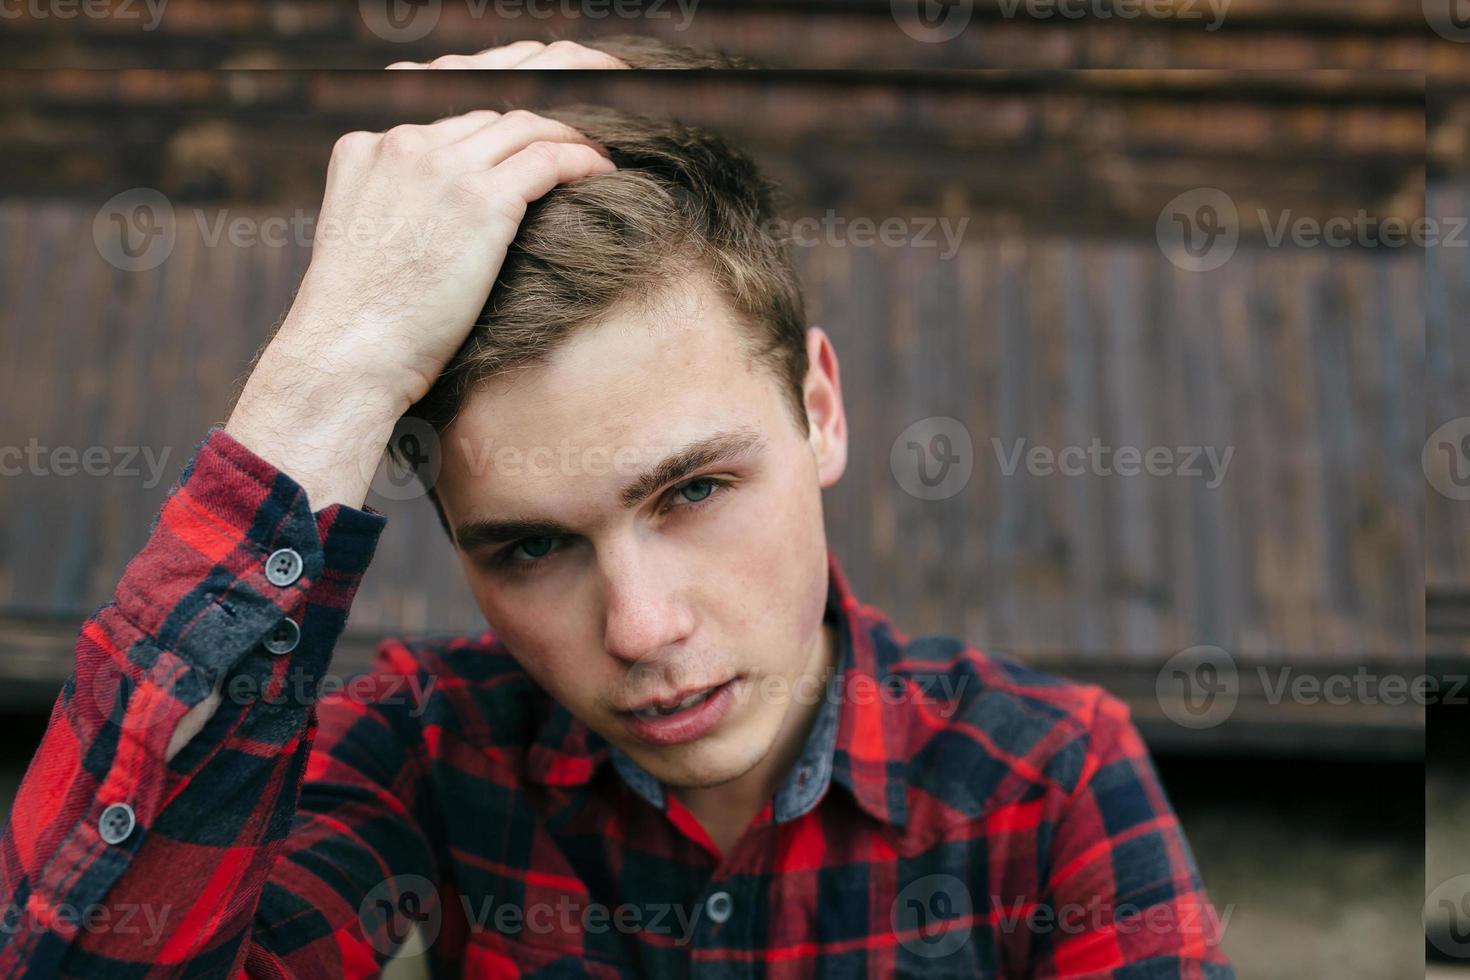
<point>683,748</point>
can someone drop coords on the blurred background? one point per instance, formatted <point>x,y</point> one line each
<point>1028,275</point>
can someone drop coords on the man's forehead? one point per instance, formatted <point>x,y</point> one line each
<point>669,354</point>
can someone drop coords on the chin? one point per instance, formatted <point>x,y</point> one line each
<point>710,761</point>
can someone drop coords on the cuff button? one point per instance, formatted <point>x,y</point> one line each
<point>284,637</point>
<point>283,567</point>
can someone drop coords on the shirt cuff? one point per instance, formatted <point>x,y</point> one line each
<point>234,550</point>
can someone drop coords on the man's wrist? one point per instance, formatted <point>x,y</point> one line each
<point>328,435</point>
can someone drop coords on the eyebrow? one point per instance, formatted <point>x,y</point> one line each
<point>721,447</point>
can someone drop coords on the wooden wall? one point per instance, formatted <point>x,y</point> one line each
<point>1058,320</point>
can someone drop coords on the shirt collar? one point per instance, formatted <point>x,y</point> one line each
<point>859,739</point>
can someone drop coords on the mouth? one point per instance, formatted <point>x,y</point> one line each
<point>661,708</point>
<point>683,717</point>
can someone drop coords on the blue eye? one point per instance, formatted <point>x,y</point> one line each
<point>527,554</point>
<point>705,482</point>
<point>536,547</point>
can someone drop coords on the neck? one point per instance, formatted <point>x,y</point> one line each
<point>726,810</point>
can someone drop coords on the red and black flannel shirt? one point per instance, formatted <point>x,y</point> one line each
<point>952,814</point>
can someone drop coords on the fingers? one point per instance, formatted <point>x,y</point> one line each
<point>498,141</point>
<point>569,54</point>
<point>507,56</point>
<point>532,171</point>
<point>522,54</point>
<point>451,129</point>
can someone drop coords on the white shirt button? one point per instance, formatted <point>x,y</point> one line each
<point>283,567</point>
<point>719,906</point>
<point>116,823</point>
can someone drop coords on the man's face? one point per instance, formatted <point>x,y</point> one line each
<point>615,582</point>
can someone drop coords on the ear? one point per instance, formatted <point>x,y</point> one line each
<point>826,421</point>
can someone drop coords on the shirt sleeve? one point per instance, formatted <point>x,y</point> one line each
<point>118,862</point>
<point>1123,898</point>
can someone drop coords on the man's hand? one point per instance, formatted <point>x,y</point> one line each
<point>523,54</point>
<point>414,226</point>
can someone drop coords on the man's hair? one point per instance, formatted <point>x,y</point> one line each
<point>641,52</point>
<point>682,204</point>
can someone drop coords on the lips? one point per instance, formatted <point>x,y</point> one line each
<point>692,716</point>
<point>662,711</point>
<point>671,704</point>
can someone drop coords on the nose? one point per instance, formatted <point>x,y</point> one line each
<point>646,618</point>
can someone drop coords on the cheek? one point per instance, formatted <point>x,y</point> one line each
<point>777,567</point>
<point>546,646</point>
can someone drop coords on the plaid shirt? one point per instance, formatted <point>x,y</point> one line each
<point>951,814</point>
